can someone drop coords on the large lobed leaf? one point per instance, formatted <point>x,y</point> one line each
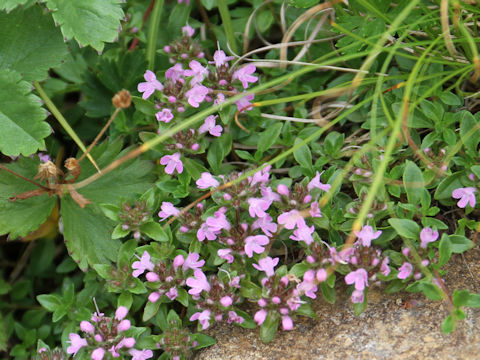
<point>30,43</point>
<point>21,217</point>
<point>87,231</point>
<point>21,117</point>
<point>90,22</point>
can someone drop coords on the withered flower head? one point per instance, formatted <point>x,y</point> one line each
<point>47,170</point>
<point>122,99</point>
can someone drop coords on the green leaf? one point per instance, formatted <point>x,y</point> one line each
<point>406,228</point>
<point>446,187</point>
<point>125,299</point>
<point>21,117</point>
<point>264,21</point>
<point>269,137</point>
<point>474,300</point>
<point>303,3</point>
<point>469,131</point>
<point>460,297</point>
<point>449,324</point>
<point>9,5</point>
<point>328,293</point>
<point>303,155</point>
<point>431,291</point>
<point>119,233</point>
<point>90,22</point>
<point>87,234</point>
<point>150,310</point>
<point>333,143</point>
<point>50,302</point>
<point>21,217</point>
<point>269,327</point>
<point>460,243</point>
<point>413,182</point>
<point>203,340</point>
<point>445,250</point>
<point>154,231</point>
<point>31,44</point>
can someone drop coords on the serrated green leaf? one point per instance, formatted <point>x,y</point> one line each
<point>21,117</point>
<point>31,44</point>
<point>21,217</point>
<point>90,22</point>
<point>406,228</point>
<point>87,234</point>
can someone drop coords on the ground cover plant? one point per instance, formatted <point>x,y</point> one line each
<point>172,166</point>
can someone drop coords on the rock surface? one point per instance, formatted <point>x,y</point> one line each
<point>397,326</point>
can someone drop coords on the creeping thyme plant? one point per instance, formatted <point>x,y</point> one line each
<point>168,167</point>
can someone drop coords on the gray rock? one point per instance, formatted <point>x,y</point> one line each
<point>397,326</point>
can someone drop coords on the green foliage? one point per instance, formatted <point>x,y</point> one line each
<point>31,44</point>
<point>90,22</point>
<point>21,117</point>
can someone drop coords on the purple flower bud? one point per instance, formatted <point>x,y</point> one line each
<point>310,259</point>
<point>172,99</point>
<point>283,190</point>
<point>98,354</point>
<point>276,300</point>
<point>287,323</point>
<point>195,147</point>
<point>307,199</point>
<point>167,48</point>
<point>262,302</point>
<point>178,261</point>
<point>181,109</point>
<point>153,297</point>
<point>121,312</point>
<point>425,262</point>
<point>184,56</point>
<point>184,229</point>
<point>128,342</point>
<point>260,317</point>
<point>125,227</point>
<point>417,276</point>
<point>226,301</point>
<point>152,277</point>
<point>222,82</point>
<point>227,197</point>
<point>124,325</point>
<point>321,275</point>
<point>406,251</point>
<point>200,55</point>
<point>87,327</point>
<point>98,338</point>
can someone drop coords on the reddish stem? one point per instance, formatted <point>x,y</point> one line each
<point>134,43</point>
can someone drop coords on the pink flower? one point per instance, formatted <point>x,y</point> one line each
<point>198,283</point>
<point>188,30</point>
<point>203,317</point>
<point>359,277</point>
<point>466,196</point>
<point>196,95</point>
<point>226,254</point>
<point>321,275</point>
<point>303,233</point>
<point>98,354</point>
<point>197,71</point>
<point>206,181</point>
<point>76,343</point>
<point>267,265</point>
<point>384,269</point>
<point>205,232</point>
<point>254,244</point>
<point>226,301</point>
<point>219,221</point>
<point>261,177</point>
<point>219,58</point>
<point>167,210</point>
<point>244,75</point>
<point>234,317</point>
<point>291,219</point>
<point>140,354</point>
<point>366,235</point>
<point>268,194</point>
<point>172,293</point>
<point>244,102</point>
<point>258,207</point>
<point>173,162</point>
<point>260,316</point>
<point>316,183</point>
<point>265,223</point>
<point>175,72</point>
<point>308,286</point>
<point>427,235</point>
<point>405,270</point>
<point>210,127</point>
<point>165,115</point>
<point>192,262</point>
<point>124,325</point>
<point>149,87</point>
<point>357,296</point>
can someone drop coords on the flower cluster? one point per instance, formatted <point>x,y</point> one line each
<point>190,82</point>
<point>104,335</point>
